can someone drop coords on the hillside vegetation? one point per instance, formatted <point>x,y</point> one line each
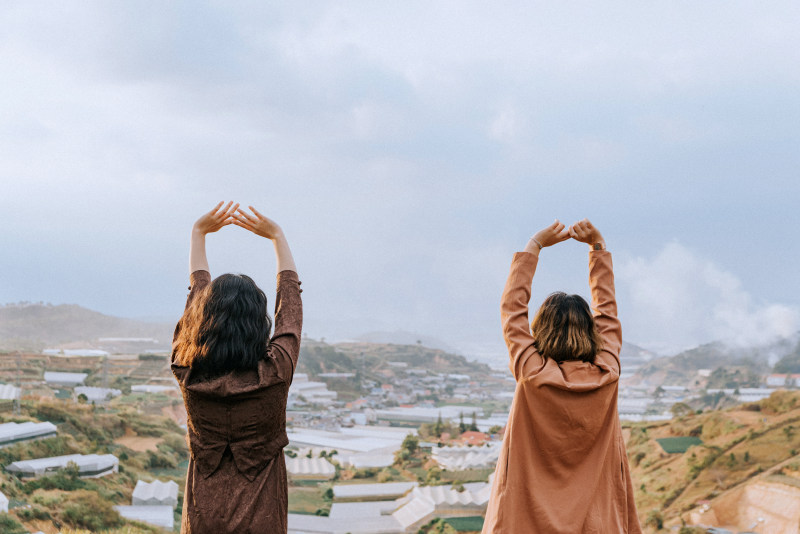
<point>370,362</point>
<point>63,501</point>
<point>738,445</point>
<point>735,366</point>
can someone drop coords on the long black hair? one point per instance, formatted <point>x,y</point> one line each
<point>225,328</point>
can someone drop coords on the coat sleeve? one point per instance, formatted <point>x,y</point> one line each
<point>197,281</point>
<point>604,305</point>
<point>522,353</point>
<point>284,347</point>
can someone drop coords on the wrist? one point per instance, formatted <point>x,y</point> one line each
<point>197,232</point>
<point>533,246</point>
<point>598,245</point>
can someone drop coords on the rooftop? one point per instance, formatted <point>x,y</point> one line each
<point>13,432</point>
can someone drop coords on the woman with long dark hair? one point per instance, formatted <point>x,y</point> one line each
<point>235,381</point>
<point>563,467</point>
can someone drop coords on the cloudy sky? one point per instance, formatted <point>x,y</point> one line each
<point>408,149</point>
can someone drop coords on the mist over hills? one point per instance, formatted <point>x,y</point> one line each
<point>782,355</point>
<point>35,326</point>
<point>403,337</point>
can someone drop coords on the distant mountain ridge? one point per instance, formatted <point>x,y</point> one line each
<point>36,326</point>
<point>402,337</point>
<point>680,368</point>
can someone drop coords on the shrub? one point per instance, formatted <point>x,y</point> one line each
<point>66,479</point>
<point>34,512</point>
<point>86,509</point>
<point>158,460</point>
<point>655,520</point>
<point>9,525</point>
<point>780,402</point>
<point>384,476</point>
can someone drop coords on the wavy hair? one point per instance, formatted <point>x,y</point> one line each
<point>564,329</point>
<point>225,328</point>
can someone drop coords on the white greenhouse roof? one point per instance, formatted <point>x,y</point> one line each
<point>344,510</point>
<point>310,467</point>
<point>312,524</point>
<point>446,495</point>
<point>159,516</point>
<point>366,460</point>
<point>97,394</point>
<point>417,510</point>
<point>65,378</point>
<point>12,432</point>
<point>152,388</point>
<point>155,493</point>
<point>461,458</point>
<point>8,392</point>
<point>87,463</point>
<point>388,489</point>
<point>74,352</point>
<point>357,439</point>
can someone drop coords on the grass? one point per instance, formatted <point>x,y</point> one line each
<point>307,501</point>
<point>468,475</point>
<point>678,445</point>
<point>465,524</point>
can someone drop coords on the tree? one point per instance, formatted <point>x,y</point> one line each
<point>439,426</point>
<point>474,426</point>
<point>433,476</point>
<point>411,444</point>
<point>679,409</point>
<point>462,427</point>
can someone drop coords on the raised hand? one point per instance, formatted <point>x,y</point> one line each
<point>555,233</point>
<point>585,232</point>
<point>216,218</point>
<point>257,223</point>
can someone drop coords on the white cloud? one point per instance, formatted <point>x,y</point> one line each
<point>679,299</point>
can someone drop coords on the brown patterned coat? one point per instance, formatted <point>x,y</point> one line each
<point>236,479</point>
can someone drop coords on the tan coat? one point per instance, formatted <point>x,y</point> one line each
<point>236,480</point>
<point>563,468</point>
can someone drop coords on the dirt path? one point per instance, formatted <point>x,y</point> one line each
<point>138,443</point>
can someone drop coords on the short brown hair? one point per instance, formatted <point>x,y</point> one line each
<point>564,329</point>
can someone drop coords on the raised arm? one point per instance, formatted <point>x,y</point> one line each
<point>284,346</point>
<point>604,303</point>
<point>199,277</point>
<point>522,353</point>
<point>208,223</point>
<point>261,225</point>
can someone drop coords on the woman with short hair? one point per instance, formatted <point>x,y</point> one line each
<point>563,467</point>
<point>235,381</point>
